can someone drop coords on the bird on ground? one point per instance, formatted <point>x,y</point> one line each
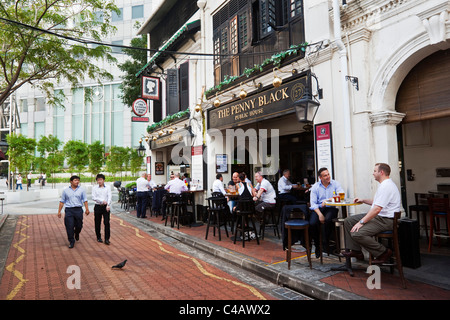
<point>120,265</point>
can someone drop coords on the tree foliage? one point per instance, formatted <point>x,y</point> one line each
<point>96,157</point>
<point>77,155</point>
<point>51,157</point>
<point>20,152</point>
<point>31,52</point>
<point>131,85</point>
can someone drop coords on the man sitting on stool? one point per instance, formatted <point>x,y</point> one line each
<point>321,191</point>
<point>360,229</point>
<point>285,186</point>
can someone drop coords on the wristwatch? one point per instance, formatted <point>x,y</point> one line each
<point>361,221</point>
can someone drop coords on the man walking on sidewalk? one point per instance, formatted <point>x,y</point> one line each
<point>101,195</point>
<point>73,198</point>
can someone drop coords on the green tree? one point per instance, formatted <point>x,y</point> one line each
<point>131,85</point>
<point>135,161</point>
<point>37,45</point>
<point>20,152</point>
<point>96,157</point>
<point>117,160</point>
<point>77,155</point>
<point>51,157</point>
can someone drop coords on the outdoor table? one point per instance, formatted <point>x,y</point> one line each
<point>339,223</point>
<point>196,221</point>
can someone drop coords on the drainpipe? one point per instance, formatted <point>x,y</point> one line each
<point>201,5</point>
<point>348,146</point>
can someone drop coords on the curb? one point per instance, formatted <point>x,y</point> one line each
<point>314,289</point>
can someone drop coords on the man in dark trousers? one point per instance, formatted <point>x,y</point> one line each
<point>73,198</point>
<point>101,195</point>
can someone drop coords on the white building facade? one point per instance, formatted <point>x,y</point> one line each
<point>382,67</point>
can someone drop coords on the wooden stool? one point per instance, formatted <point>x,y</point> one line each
<point>392,236</point>
<point>217,209</point>
<point>439,208</point>
<point>244,213</point>
<point>269,213</point>
<point>297,222</point>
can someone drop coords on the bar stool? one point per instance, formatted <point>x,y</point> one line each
<point>271,214</point>
<point>421,206</point>
<point>439,208</point>
<point>174,208</point>
<point>297,222</point>
<point>392,236</point>
<point>245,211</point>
<point>217,215</point>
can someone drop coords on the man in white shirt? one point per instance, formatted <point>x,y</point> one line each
<point>142,188</point>
<point>263,192</point>
<point>218,184</point>
<point>360,229</point>
<point>101,195</point>
<point>175,185</point>
<point>285,186</point>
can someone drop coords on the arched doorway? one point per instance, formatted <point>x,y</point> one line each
<point>424,133</point>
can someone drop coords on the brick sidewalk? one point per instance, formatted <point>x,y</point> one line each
<point>270,253</point>
<point>39,256</point>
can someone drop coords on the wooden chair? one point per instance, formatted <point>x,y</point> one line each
<point>297,222</point>
<point>175,209</point>
<point>245,212</point>
<point>421,206</point>
<point>392,237</point>
<point>439,208</point>
<point>218,212</point>
<point>269,218</point>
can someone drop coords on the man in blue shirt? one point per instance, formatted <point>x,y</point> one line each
<point>321,214</point>
<point>73,198</point>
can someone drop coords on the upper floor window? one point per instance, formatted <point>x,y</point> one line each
<point>253,26</point>
<point>137,12</point>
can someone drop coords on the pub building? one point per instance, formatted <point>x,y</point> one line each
<point>371,73</point>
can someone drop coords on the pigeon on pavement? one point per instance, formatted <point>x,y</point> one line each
<point>120,265</point>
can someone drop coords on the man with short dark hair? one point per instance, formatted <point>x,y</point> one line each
<point>101,195</point>
<point>322,191</point>
<point>73,198</point>
<point>361,228</point>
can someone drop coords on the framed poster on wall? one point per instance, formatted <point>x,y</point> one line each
<point>324,147</point>
<point>159,168</point>
<point>221,163</point>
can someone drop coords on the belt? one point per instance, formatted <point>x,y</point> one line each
<point>103,205</point>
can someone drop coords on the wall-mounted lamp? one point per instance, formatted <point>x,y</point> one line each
<point>216,102</point>
<point>307,106</point>
<point>141,150</point>
<point>354,81</point>
<point>242,93</point>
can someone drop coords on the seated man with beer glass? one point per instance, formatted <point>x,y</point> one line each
<point>322,191</point>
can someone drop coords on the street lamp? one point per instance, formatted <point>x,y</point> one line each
<point>306,107</point>
<point>141,150</point>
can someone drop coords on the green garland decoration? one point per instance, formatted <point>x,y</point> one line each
<point>274,60</point>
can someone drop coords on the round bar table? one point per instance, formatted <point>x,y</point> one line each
<point>339,223</point>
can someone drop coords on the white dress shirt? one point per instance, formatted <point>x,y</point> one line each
<point>99,195</point>
<point>176,186</point>
<point>218,186</point>
<point>284,185</point>
<point>142,184</point>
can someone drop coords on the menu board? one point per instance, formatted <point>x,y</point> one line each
<point>324,147</point>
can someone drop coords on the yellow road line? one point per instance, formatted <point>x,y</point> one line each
<point>12,266</point>
<point>199,265</point>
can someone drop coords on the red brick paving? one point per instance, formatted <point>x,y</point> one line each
<point>40,256</point>
<point>270,251</point>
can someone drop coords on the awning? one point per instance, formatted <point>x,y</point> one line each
<point>189,27</point>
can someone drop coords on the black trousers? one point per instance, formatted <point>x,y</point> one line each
<point>329,213</point>
<point>73,220</point>
<point>141,206</point>
<point>99,213</point>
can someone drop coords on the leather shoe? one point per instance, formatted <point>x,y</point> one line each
<point>71,245</point>
<point>99,240</point>
<point>107,242</point>
<point>383,258</point>
<point>356,254</point>
<point>77,236</point>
